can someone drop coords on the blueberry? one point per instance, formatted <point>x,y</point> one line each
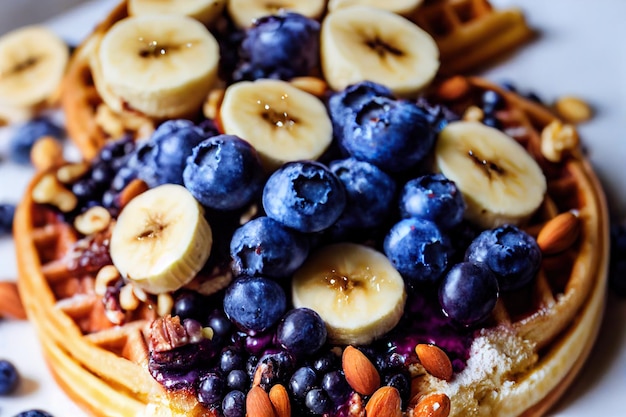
<point>349,101</point>
<point>326,362</point>
<point>468,293</point>
<point>304,195</point>
<point>210,388</point>
<point>254,304</point>
<point>370,193</point>
<point>234,404</point>
<point>9,377</point>
<point>392,134</point>
<point>220,324</point>
<point>302,332</point>
<point>7,213</point>
<point>224,173</point>
<point>189,304</point>
<point>418,250</point>
<point>510,253</point>
<point>238,379</point>
<point>169,146</point>
<point>302,381</point>
<point>139,164</point>
<point>25,136</point>
<point>34,413</point>
<point>336,386</point>
<point>275,368</point>
<point>402,382</point>
<point>433,197</point>
<point>283,46</point>
<point>264,246</point>
<point>318,401</point>
<point>492,101</point>
<point>231,359</point>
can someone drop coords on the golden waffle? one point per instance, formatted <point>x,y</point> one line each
<point>471,33</point>
<point>468,33</point>
<point>103,366</point>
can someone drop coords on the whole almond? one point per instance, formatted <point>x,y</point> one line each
<point>435,361</point>
<point>10,301</point>
<point>432,405</point>
<point>385,402</point>
<point>280,400</point>
<point>258,403</point>
<point>559,233</point>
<point>359,371</point>
<point>453,88</point>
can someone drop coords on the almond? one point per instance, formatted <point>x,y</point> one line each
<point>10,302</point>
<point>280,400</point>
<point>359,371</point>
<point>258,403</point>
<point>132,190</point>
<point>453,88</point>
<point>435,361</point>
<point>559,233</point>
<point>385,402</point>
<point>432,405</point>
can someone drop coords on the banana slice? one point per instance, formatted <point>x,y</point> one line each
<point>245,12</point>
<point>32,64</point>
<point>500,182</point>
<point>281,121</point>
<point>365,43</point>
<point>160,65</point>
<point>206,11</point>
<point>403,7</point>
<point>355,289</point>
<point>161,239</point>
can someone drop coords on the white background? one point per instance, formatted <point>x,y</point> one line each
<point>580,50</point>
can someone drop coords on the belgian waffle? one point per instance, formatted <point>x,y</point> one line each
<point>469,33</point>
<point>538,347</point>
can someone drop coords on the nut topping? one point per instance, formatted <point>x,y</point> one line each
<point>559,233</point>
<point>432,405</point>
<point>258,403</point>
<point>435,361</point>
<point>385,402</point>
<point>167,333</point>
<point>359,371</point>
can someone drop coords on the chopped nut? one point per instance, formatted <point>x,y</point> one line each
<point>128,300</point>
<point>109,121</point>
<point>211,105</point>
<point>105,276</point>
<point>311,85</point>
<point>50,191</point>
<point>558,140</point>
<point>68,174</point>
<point>165,303</point>
<point>473,114</point>
<point>95,219</point>
<point>46,153</point>
<point>573,109</point>
<point>167,333</point>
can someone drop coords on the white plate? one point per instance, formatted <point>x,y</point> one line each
<point>580,51</point>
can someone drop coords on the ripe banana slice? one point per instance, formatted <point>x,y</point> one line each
<point>160,65</point>
<point>365,43</point>
<point>32,64</point>
<point>281,121</point>
<point>245,12</point>
<point>355,289</point>
<point>500,182</point>
<point>161,239</point>
<point>206,11</point>
<point>403,7</point>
